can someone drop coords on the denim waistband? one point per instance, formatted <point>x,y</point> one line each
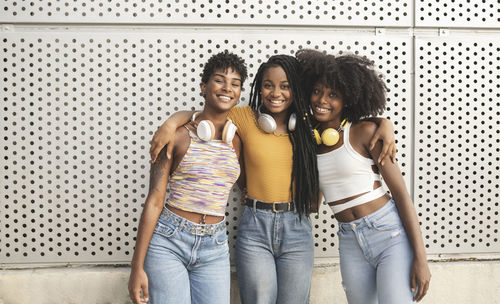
<point>183,224</point>
<point>368,219</point>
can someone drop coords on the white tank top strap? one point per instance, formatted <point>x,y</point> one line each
<point>351,150</point>
<point>374,194</point>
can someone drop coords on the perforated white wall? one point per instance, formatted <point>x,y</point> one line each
<point>278,12</point>
<point>80,108</point>
<point>457,143</point>
<point>457,13</point>
<point>86,83</point>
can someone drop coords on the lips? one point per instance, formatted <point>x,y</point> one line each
<point>320,110</point>
<point>275,103</point>
<point>224,98</point>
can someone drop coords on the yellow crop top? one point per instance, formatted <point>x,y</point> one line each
<point>268,158</point>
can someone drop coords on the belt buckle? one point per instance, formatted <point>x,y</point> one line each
<point>276,211</point>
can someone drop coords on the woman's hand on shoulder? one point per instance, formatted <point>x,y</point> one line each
<point>179,145</point>
<point>165,135</point>
<point>420,277</point>
<point>385,133</point>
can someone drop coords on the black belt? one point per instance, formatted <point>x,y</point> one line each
<point>275,207</point>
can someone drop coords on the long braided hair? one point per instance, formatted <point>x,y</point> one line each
<point>305,169</point>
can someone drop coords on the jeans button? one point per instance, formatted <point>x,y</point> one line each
<point>353,225</point>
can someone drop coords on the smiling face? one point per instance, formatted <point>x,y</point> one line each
<point>222,90</point>
<point>326,104</point>
<point>275,90</point>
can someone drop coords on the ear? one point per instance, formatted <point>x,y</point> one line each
<point>203,88</point>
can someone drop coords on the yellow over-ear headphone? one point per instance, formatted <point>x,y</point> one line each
<point>330,136</point>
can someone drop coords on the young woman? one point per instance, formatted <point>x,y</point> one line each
<point>382,254</point>
<point>181,253</point>
<point>274,248</point>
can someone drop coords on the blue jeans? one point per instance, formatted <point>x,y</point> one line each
<point>274,257</point>
<point>188,262</point>
<point>375,258</point>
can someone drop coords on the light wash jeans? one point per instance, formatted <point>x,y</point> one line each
<point>375,258</point>
<point>274,257</point>
<point>188,262</point>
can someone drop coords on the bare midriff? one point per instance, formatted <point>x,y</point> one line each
<point>362,210</point>
<point>194,217</point>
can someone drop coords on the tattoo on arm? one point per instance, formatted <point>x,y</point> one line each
<point>158,170</point>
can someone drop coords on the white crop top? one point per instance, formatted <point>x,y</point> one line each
<point>344,172</point>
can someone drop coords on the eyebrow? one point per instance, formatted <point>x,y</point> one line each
<point>224,76</point>
<point>284,81</point>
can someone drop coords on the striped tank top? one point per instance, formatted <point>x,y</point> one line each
<point>203,179</point>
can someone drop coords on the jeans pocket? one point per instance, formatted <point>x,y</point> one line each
<point>389,221</point>
<point>245,216</point>
<point>221,238</point>
<point>165,230</point>
<point>340,233</point>
<point>308,222</point>
<point>302,222</point>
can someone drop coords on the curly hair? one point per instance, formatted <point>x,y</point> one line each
<point>305,169</point>
<point>362,89</point>
<point>223,61</point>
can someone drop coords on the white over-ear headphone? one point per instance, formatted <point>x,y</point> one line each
<point>268,124</point>
<point>206,129</point>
